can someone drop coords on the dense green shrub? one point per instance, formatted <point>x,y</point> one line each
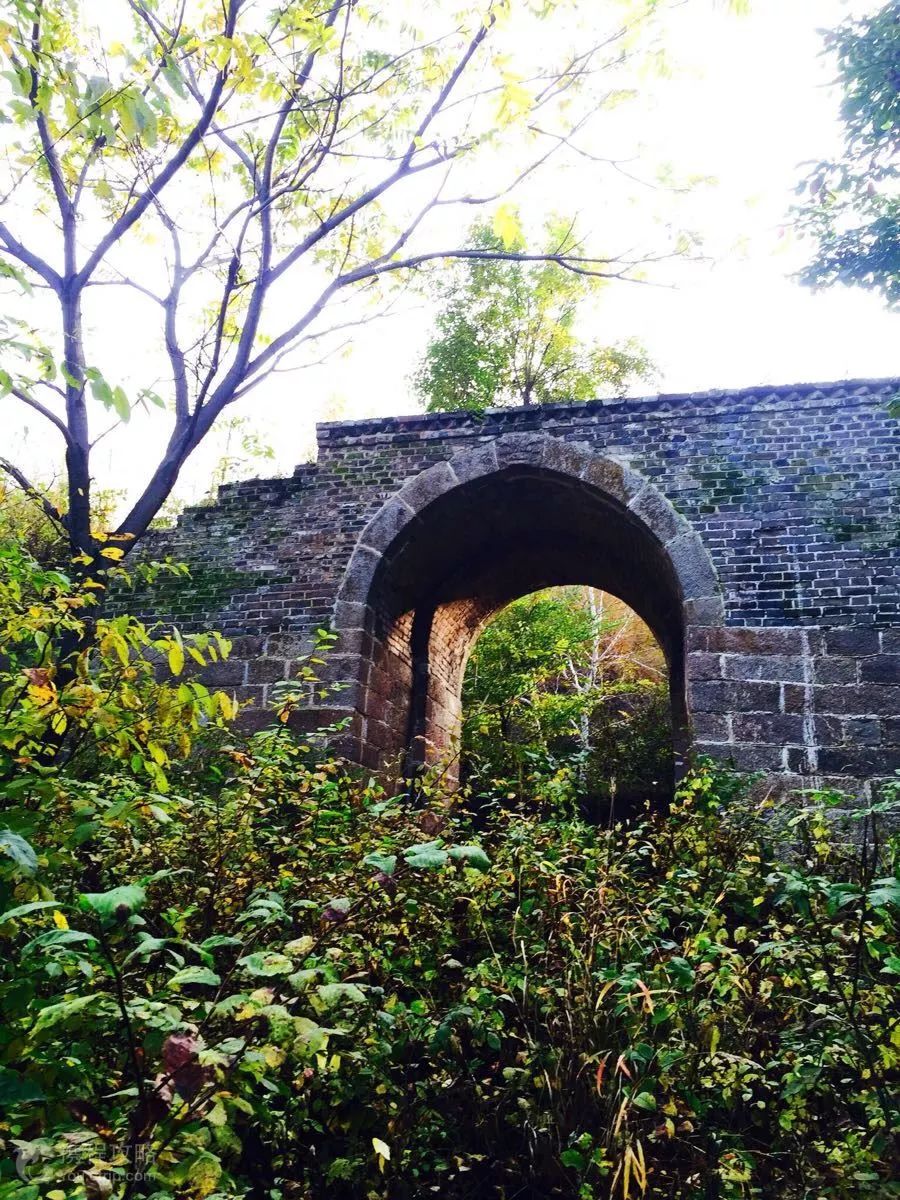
<point>566,694</point>
<point>260,974</point>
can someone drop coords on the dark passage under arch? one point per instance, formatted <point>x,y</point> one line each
<point>465,538</point>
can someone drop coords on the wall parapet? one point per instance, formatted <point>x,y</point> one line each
<point>674,404</point>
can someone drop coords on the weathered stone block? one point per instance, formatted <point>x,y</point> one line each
<point>354,641</point>
<point>729,639</point>
<point>869,699</point>
<point>658,515</point>
<point>247,646</point>
<point>882,668</point>
<point>350,616</point>
<point>856,641</point>
<point>520,449</point>
<point>754,757</point>
<point>795,697</point>
<point>359,574</point>
<point>614,479</point>
<point>801,760</point>
<point>732,697</point>
<point>387,523</point>
<point>835,670</point>
<point>267,670</point>
<point>704,610</point>
<point>829,731</point>
<point>566,457</point>
<point>710,727</point>
<point>422,489</point>
<point>776,667</point>
<point>704,666</point>
<point>339,668</point>
<point>862,731</point>
<point>287,645</point>
<point>692,565</point>
<point>859,761</point>
<point>225,674</point>
<point>767,727</point>
<point>473,464</point>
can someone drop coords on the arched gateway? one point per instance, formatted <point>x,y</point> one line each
<point>461,539</point>
<point>757,533</point>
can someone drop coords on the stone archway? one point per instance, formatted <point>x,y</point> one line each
<point>462,539</point>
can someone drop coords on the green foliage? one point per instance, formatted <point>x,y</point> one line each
<point>274,978</point>
<point>565,698</point>
<point>24,523</point>
<point>76,686</point>
<point>853,206</point>
<point>506,331</point>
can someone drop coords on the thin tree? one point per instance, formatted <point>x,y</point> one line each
<point>279,161</point>
<point>507,332</point>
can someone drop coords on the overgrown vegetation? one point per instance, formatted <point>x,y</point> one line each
<point>236,968</point>
<point>566,698</point>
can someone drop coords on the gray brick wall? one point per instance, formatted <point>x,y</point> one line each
<point>794,493</point>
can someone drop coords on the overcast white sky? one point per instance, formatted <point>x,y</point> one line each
<point>750,102</point>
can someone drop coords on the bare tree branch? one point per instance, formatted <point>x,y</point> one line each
<point>50,510</point>
<point>168,172</point>
<point>404,167</point>
<point>45,412</point>
<point>37,264</point>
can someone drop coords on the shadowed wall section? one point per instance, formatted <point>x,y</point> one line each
<point>462,539</point>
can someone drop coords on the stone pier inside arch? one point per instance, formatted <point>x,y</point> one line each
<point>757,533</point>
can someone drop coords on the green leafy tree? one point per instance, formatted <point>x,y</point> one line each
<point>568,687</point>
<point>852,208</point>
<point>249,177</point>
<point>507,332</point>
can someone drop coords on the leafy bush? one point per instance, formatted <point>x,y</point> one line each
<point>272,978</point>
<point>566,696</point>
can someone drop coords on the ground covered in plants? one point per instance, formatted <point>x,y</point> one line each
<point>236,967</point>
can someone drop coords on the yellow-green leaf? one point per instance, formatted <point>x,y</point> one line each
<point>506,225</point>
<point>176,658</point>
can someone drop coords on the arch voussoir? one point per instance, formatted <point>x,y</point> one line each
<point>664,521</point>
<point>358,577</point>
<point>473,464</point>
<point>613,477</point>
<point>567,458</point>
<point>693,566</point>
<point>387,523</point>
<point>521,449</point>
<point>417,493</point>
